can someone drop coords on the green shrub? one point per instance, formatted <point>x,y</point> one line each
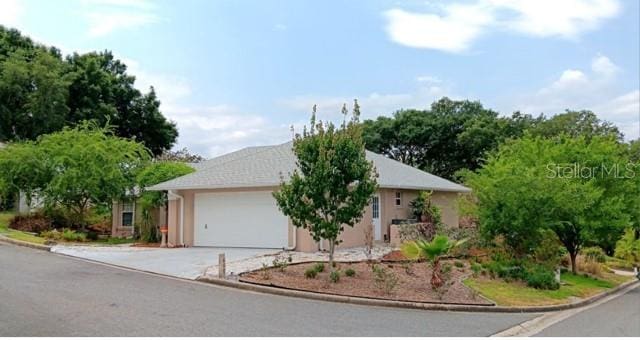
<point>476,268</point>
<point>628,247</point>
<point>319,267</point>
<point>73,236</point>
<point>594,254</point>
<point>549,251</point>
<point>92,235</point>
<point>458,264</point>
<point>540,277</point>
<point>334,276</point>
<point>311,273</point>
<point>350,272</point>
<point>385,280</point>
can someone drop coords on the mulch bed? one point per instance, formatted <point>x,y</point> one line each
<point>413,282</point>
<point>146,245</point>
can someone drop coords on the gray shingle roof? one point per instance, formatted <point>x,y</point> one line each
<point>263,167</point>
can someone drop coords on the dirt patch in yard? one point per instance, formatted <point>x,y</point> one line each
<point>412,282</point>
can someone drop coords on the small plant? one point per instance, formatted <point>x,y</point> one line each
<point>368,241</point>
<point>541,278</point>
<point>446,268</point>
<point>594,254</point>
<point>311,273</point>
<point>281,261</point>
<point>265,272</point>
<point>458,264</point>
<point>334,276</point>
<point>319,267</point>
<point>350,272</point>
<point>433,251</point>
<point>408,268</point>
<point>384,280</point>
<point>476,268</point>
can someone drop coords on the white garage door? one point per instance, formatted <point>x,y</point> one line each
<point>239,219</point>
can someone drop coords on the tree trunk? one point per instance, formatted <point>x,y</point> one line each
<point>573,256</point>
<point>436,279</point>
<point>332,247</point>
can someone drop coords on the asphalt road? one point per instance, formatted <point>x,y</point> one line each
<point>618,317</point>
<point>44,294</point>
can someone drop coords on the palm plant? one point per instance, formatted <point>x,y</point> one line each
<point>433,252</point>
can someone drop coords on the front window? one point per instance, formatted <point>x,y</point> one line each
<point>127,214</point>
<point>398,198</point>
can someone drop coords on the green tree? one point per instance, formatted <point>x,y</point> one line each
<point>40,92</point>
<point>333,182</point>
<point>101,90</point>
<point>75,168</point>
<point>182,155</point>
<point>451,136</point>
<point>581,188</point>
<point>574,124</point>
<point>154,173</point>
<point>23,168</point>
<point>33,95</point>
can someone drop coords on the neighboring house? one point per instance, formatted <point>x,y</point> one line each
<point>228,201</point>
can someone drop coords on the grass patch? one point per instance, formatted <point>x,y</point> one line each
<point>16,234</point>
<point>518,294</point>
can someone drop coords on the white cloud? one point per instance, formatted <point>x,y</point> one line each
<point>565,18</point>
<point>455,26</point>
<point>375,104</point>
<point>579,90</point>
<point>11,12</point>
<point>170,89</point>
<point>452,32</point>
<point>107,16</point>
<point>215,130</point>
<point>603,66</point>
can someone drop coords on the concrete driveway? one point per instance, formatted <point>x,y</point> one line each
<point>188,263</point>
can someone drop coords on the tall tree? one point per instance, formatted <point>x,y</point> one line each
<point>451,136</point>
<point>182,155</point>
<point>41,93</point>
<point>333,182</point>
<point>102,90</point>
<point>574,124</point>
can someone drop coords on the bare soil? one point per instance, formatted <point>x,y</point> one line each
<point>413,282</point>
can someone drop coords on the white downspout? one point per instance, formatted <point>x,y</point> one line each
<point>181,221</point>
<point>295,239</point>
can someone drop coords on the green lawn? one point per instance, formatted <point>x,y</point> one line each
<point>15,234</point>
<point>518,294</point>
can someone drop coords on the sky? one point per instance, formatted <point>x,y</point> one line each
<point>236,73</point>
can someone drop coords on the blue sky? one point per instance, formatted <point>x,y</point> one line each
<point>237,73</point>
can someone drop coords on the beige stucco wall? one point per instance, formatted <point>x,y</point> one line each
<point>351,237</point>
<point>118,230</point>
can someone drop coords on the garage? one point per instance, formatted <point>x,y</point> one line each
<point>239,219</point>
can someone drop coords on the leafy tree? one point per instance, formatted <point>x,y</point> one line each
<point>75,168</point>
<point>154,173</point>
<point>182,155</point>
<point>628,247</point>
<point>40,92</point>
<point>23,168</point>
<point>101,90</point>
<point>333,182</point>
<point>574,124</point>
<point>433,251</point>
<point>580,188</point>
<point>33,95</point>
<point>452,135</point>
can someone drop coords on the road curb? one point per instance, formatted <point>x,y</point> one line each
<point>24,243</point>
<point>413,305</point>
